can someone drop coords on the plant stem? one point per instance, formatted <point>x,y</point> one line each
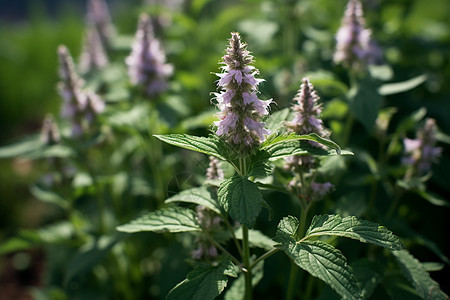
<point>292,281</point>
<point>264,256</point>
<point>247,266</point>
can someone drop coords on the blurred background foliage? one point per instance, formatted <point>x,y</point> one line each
<point>290,39</point>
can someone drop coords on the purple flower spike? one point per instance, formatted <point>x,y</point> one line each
<point>354,46</point>
<point>306,120</point>
<point>146,63</point>
<point>240,109</point>
<point>99,18</point>
<point>421,152</point>
<point>93,56</point>
<point>79,107</point>
<point>70,85</point>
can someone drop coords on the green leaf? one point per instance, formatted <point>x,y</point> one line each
<point>200,144</point>
<point>58,233</point>
<point>413,270</point>
<point>276,120</point>
<point>242,199</point>
<point>256,239</point>
<point>276,139</point>
<point>49,196</point>
<point>287,145</point>
<point>21,147</point>
<point>172,219</point>
<point>365,102</point>
<point>352,227</point>
<point>369,275</point>
<point>199,196</point>
<point>204,282</point>
<point>32,147</point>
<point>399,87</point>
<point>318,258</point>
<point>88,258</point>
<point>237,289</point>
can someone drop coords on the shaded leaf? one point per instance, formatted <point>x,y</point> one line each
<point>413,270</point>
<point>172,219</point>
<point>237,289</point>
<point>85,260</point>
<point>204,282</point>
<point>365,102</point>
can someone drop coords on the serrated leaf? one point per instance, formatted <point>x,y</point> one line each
<point>399,87</point>
<point>172,219</point>
<point>327,263</point>
<point>413,270</point>
<point>200,196</point>
<point>318,258</point>
<point>204,282</point>
<point>242,199</point>
<point>352,227</point>
<point>200,144</point>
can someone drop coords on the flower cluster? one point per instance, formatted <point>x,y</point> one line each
<point>421,152</point>
<point>79,107</point>
<point>354,46</point>
<point>146,63</point>
<point>93,56</point>
<point>240,109</point>
<point>98,17</point>
<point>306,120</point>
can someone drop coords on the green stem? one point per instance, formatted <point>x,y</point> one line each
<point>221,248</point>
<point>292,281</point>
<point>264,256</point>
<point>247,266</point>
<point>347,129</point>
<point>395,203</point>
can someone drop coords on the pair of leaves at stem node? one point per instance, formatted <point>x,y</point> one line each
<point>324,261</point>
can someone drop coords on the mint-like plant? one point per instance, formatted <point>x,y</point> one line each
<point>240,141</point>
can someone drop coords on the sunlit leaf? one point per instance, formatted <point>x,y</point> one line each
<point>352,227</point>
<point>172,219</point>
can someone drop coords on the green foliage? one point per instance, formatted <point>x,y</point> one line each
<point>204,282</point>
<point>351,227</point>
<point>241,198</point>
<point>172,219</point>
<point>413,270</point>
<point>318,258</point>
<point>200,196</point>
